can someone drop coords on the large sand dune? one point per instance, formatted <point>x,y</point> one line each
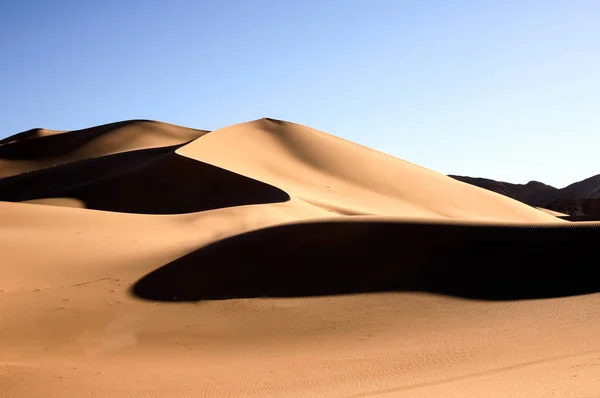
<point>271,259</point>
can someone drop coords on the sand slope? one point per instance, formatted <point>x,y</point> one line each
<point>344,177</point>
<point>552,212</point>
<point>29,135</point>
<point>149,181</point>
<point>344,272</point>
<point>40,148</point>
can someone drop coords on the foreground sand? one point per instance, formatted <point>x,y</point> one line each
<point>271,259</point>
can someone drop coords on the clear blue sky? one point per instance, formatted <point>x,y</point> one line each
<point>504,89</point>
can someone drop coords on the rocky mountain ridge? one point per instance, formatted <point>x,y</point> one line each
<point>581,198</point>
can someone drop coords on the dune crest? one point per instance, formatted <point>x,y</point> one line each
<point>29,135</point>
<point>26,152</point>
<point>320,168</point>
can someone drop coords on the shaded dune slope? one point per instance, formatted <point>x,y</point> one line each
<point>491,262</point>
<point>150,181</point>
<point>29,135</point>
<point>38,148</point>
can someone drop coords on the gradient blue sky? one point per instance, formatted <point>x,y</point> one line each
<point>506,89</point>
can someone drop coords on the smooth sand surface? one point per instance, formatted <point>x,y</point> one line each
<point>552,212</point>
<point>271,259</point>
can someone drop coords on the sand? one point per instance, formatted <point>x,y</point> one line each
<point>552,212</point>
<point>141,259</point>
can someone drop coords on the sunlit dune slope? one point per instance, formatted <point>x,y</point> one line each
<point>338,175</point>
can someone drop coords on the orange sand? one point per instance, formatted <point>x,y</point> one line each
<point>141,259</point>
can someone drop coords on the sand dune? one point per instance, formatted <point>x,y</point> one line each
<point>149,181</point>
<point>332,173</point>
<point>272,259</point>
<point>25,152</point>
<point>552,212</point>
<point>29,135</point>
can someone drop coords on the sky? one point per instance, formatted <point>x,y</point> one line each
<point>508,90</point>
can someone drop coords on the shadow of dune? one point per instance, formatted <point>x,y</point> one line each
<point>327,258</point>
<point>149,181</point>
<point>584,218</point>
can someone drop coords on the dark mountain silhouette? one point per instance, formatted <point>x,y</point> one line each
<point>580,199</point>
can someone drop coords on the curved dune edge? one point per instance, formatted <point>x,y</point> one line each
<point>321,168</point>
<point>59,202</point>
<point>552,212</point>
<point>51,148</point>
<point>371,254</point>
<point>30,135</point>
<point>149,181</point>
<point>307,165</point>
<point>375,277</point>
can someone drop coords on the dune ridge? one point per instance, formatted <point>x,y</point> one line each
<point>268,258</point>
<point>326,169</point>
<point>25,152</point>
<point>29,135</point>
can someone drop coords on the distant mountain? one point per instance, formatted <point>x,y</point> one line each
<point>578,199</point>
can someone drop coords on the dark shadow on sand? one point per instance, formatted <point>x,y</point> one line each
<point>329,258</point>
<point>148,181</point>
<point>584,218</point>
